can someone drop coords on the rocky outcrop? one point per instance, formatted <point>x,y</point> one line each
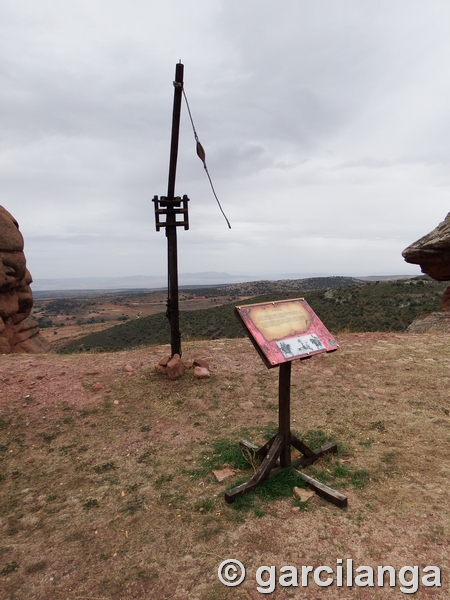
<point>432,252</point>
<point>435,322</point>
<point>445,306</point>
<point>18,332</point>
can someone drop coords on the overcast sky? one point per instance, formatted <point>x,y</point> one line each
<point>325,125</point>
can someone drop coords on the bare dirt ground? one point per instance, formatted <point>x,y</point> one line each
<point>105,494</point>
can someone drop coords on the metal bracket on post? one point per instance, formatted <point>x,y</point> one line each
<point>163,206</point>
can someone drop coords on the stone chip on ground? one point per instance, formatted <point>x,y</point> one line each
<point>222,474</point>
<point>303,495</point>
<point>201,372</point>
<point>199,362</point>
<point>163,362</point>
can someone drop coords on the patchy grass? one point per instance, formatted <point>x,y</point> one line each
<point>111,494</point>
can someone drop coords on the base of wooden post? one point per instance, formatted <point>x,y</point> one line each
<point>276,453</point>
<point>270,465</point>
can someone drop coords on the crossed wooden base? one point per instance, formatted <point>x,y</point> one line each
<point>276,453</point>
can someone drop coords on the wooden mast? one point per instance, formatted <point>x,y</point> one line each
<point>171,226</point>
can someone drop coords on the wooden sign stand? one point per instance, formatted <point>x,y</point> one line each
<point>276,453</point>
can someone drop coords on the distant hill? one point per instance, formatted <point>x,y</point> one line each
<point>142,282</point>
<point>255,288</point>
<point>94,285</point>
<point>250,286</point>
<point>342,305</point>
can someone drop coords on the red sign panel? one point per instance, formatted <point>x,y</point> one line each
<point>285,330</point>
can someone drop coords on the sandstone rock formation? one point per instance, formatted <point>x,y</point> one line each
<point>18,332</point>
<point>435,322</point>
<point>432,253</point>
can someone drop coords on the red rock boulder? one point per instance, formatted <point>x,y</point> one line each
<point>18,332</point>
<point>432,252</point>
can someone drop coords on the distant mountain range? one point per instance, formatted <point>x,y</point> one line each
<point>141,282</point>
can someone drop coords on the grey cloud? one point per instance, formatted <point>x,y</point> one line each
<point>324,125</point>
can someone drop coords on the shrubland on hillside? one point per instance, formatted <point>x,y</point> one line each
<point>377,306</point>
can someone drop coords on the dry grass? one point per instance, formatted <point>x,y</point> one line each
<point>105,494</point>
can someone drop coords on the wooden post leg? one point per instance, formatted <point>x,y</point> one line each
<point>302,447</point>
<point>261,474</point>
<point>260,452</point>
<point>326,492</point>
<point>284,412</point>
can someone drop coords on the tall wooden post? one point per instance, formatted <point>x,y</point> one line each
<point>284,412</point>
<point>169,207</point>
<point>171,228</point>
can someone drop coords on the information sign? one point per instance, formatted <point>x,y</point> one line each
<point>281,332</point>
<point>285,330</point>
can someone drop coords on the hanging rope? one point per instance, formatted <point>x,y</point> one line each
<point>202,156</point>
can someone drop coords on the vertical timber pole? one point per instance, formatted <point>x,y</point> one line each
<point>284,412</point>
<point>171,227</point>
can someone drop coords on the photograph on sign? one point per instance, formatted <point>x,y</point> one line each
<point>285,330</point>
<point>297,346</point>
